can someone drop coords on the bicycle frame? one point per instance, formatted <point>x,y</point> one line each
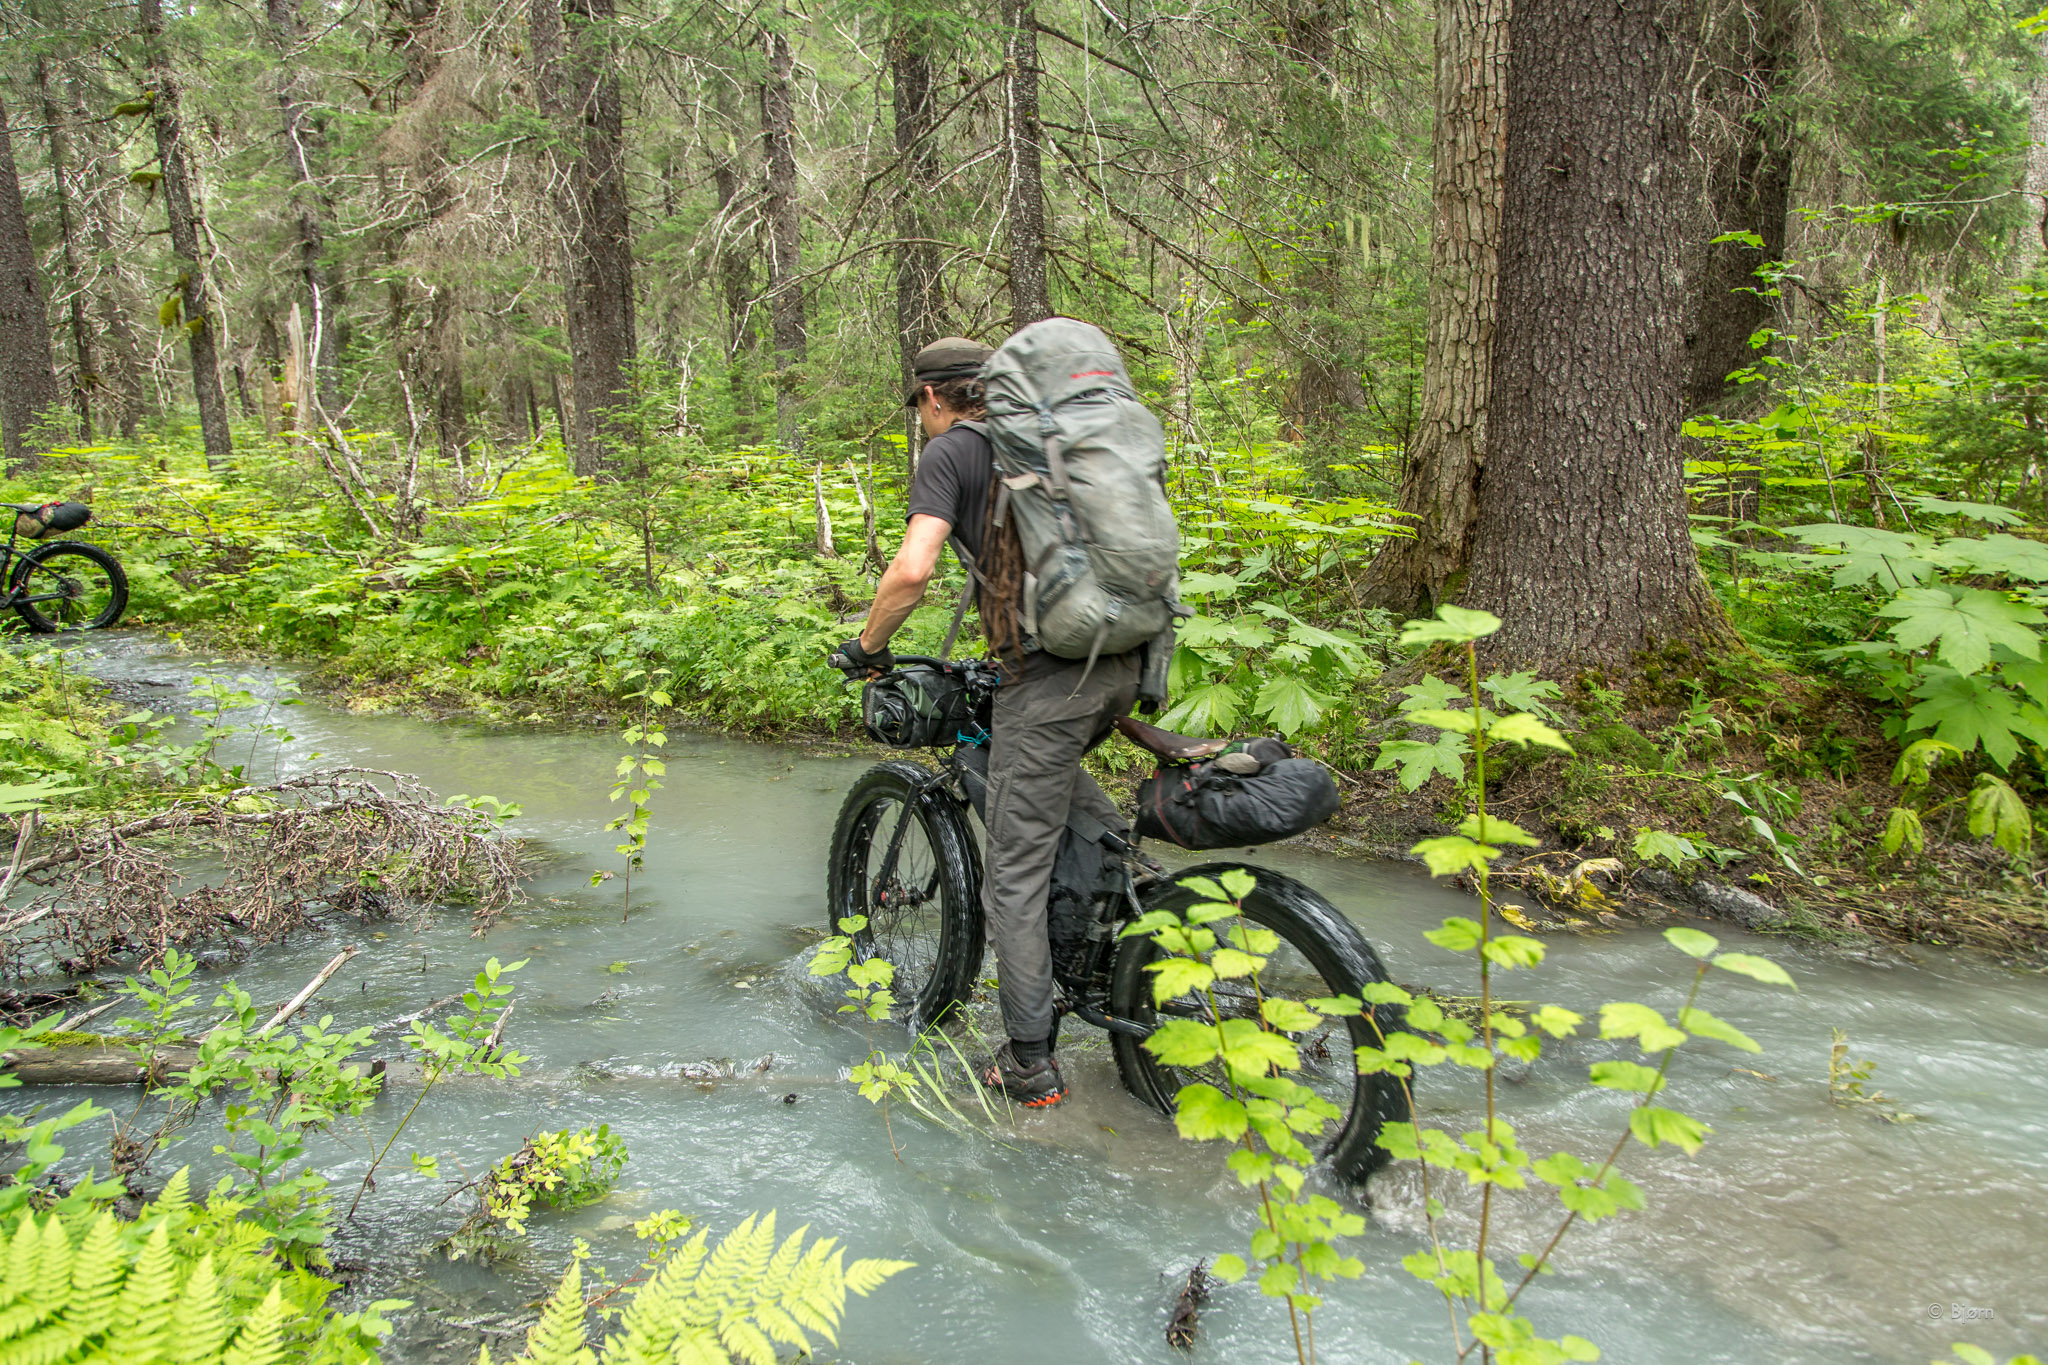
<point>963,780</point>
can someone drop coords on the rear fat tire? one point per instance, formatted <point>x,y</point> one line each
<point>861,833</point>
<point>51,555</point>
<point>1333,947</point>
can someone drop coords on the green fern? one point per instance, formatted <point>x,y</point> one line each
<point>714,1305</point>
<point>171,1287</point>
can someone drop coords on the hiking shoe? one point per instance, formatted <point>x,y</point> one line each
<point>1037,1086</point>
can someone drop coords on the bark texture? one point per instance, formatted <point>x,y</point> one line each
<point>785,239</point>
<point>1749,189</point>
<point>2034,237</point>
<point>1029,299</point>
<point>919,311</point>
<point>579,85</point>
<point>737,247</point>
<point>102,183</point>
<point>199,318</point>
<point>1582,545</point>
<point>301,145</point>
<point>28,378</point>
<point>84,370</point>
<point>1439,485</point>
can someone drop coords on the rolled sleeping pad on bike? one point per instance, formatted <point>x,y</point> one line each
<point>51,519</point>
<point>1254,792</point>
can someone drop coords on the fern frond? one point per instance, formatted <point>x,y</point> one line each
<point>44,1346</point>
<point>176,1200</point>
<point>142,1316</point>
<point>697,1346</point>
<point>559,1338</point>
<point>866,1276</point>
<point>741,1338</point>
<point>201,1323</point>
<point>53,1269</point>
<point>21,1259</point>
<point>96,1275</point>
<point>655,1321</point>
<point>261,1340</point>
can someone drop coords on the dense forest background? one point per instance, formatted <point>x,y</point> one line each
<point>549,354</point>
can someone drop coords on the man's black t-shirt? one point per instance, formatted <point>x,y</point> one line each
<point>952,483</point>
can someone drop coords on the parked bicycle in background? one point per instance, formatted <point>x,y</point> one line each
<point>59,585</point>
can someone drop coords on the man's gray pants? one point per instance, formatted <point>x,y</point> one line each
<point>1042,726</point>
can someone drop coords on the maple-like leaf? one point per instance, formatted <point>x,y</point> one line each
<point>1963,624</point>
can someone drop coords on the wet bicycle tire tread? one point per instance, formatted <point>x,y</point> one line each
<point>957,959</point>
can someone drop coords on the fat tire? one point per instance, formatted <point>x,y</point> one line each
<point>1337,951</point>
<point>117,601</point>
<point>957,960</point>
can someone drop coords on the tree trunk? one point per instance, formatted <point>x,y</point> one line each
<point>1749,189</point>
<point>2034,237</point>
<point>123,377</point>
<point>736,253</point>
<point>444,343</point>
<point>785,239</point>
<point>1582,545</point>
<point>579,85</point>
<point>85,372</point>
<point>28,377</point>
<point>301,145</point>
<point>201,327</point>
<point>1439,486</point>
<point>919,311</point>
<point>1029,301</point>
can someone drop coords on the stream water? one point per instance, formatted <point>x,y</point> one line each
<point>1803,1232</point>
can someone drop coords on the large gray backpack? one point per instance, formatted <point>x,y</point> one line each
<point>1083,470</point>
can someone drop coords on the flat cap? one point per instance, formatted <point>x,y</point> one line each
<point>945,359</point>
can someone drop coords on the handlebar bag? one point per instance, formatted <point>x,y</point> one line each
<point>1204,805</point>
<point>51,519</point>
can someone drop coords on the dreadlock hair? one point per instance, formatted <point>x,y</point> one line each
<point>962,396</point>
<point>1002,579</point>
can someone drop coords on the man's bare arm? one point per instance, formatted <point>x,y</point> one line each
<point>903,583</point>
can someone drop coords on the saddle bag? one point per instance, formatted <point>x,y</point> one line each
<point>51,519</point>
<point>1254,792</point>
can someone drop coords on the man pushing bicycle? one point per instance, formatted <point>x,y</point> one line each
<point>1047,476</point>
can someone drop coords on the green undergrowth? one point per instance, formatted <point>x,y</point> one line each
<point>508,589</point>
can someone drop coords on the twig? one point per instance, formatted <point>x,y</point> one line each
<point>72,1024</point>
<point>306,991</point>
<point>23,833</point>
<point>498,1029</point>
<point>402,1020</point>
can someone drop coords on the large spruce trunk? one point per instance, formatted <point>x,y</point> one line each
<point>301,143</point>
<point>1582,544</point>
<point>199,320</point>
<point>1029,299</point>
<point>1439,485</point>
<point>28,378</point>
<point>785,238</point>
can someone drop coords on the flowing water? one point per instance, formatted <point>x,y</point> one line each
<point>1803,1232</point>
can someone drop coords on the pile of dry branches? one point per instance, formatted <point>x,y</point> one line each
<point>249,865</point>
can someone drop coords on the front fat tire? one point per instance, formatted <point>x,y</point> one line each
<point>1333,947</point>
<point>52,555</point>
<point>859,834</point>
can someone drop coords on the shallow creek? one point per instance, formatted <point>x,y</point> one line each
<point>1802,1232</point>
